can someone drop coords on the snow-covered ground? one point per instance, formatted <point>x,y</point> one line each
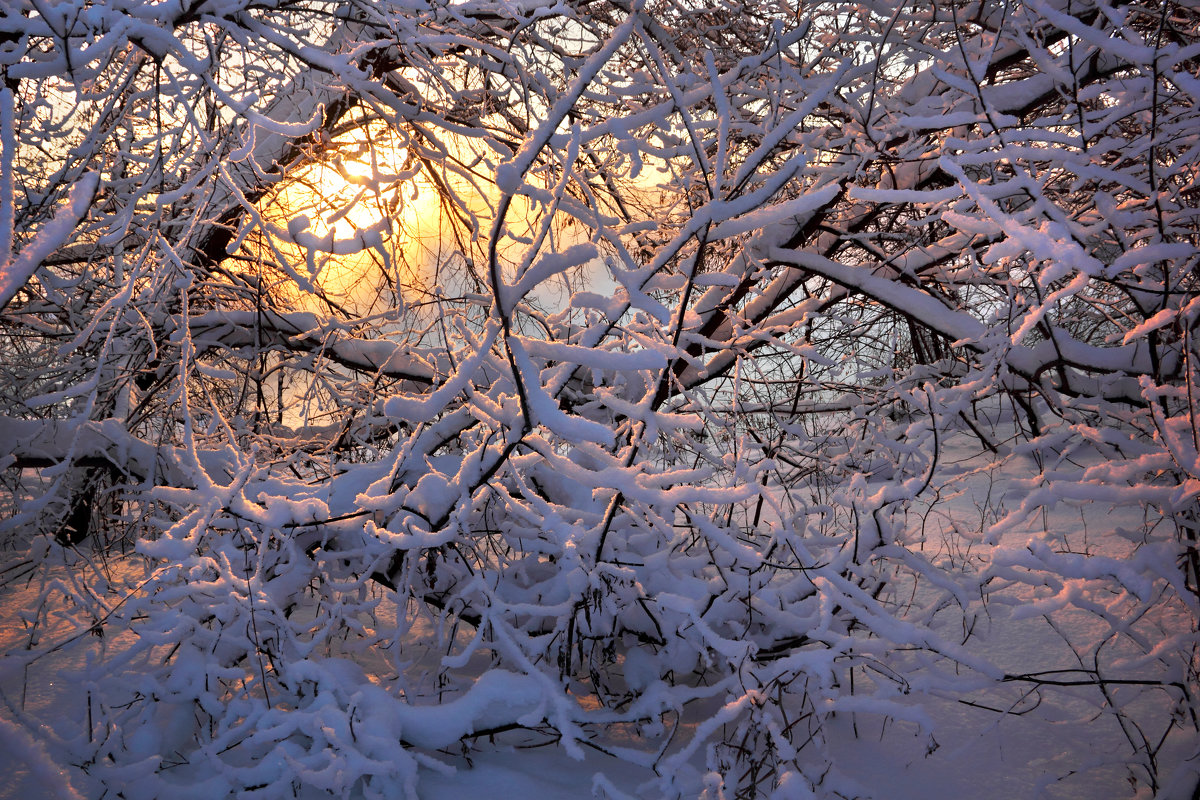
<point>989,741</point>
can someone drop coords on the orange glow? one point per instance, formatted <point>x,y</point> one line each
<point>370,228</point>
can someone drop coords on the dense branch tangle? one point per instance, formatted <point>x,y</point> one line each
<point>652,408</point>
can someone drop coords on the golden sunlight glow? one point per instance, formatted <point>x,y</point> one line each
<point>364,230</point>
<point>353,230</point>
<point>368,227</point>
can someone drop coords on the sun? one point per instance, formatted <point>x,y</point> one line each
<point>377,222</point>
<point>339,230</point>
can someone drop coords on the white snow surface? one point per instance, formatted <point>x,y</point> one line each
<point>1052,743</point>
